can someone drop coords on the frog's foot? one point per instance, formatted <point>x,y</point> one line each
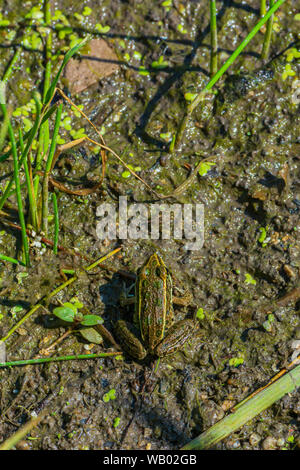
<point>125,299</point>
<point>127,336</point>
<point>184,300</point>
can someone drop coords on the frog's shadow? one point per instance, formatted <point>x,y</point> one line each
<point>110,294</point>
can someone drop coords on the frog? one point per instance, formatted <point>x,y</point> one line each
<point>154,331</point>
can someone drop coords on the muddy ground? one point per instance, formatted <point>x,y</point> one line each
<point>249,129</point>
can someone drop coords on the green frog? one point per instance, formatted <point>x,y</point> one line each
<point>154,331</point>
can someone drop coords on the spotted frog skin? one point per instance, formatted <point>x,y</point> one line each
<point>154,331</point>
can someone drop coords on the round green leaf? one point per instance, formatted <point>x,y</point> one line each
<point>91,335</point>
<point>64,313</point>
<point>71,306</point>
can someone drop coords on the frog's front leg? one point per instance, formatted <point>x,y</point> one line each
<point>185,300</point>
<point>184,296</point>
<point>127,335</point>
<point>125,298</point>
<point>176,337</point>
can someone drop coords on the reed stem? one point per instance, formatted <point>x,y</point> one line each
<point>213,39</point>
<point>45,208</point>
<point>221,72</point>
<point>56,223</point>
<point>268,36</point>
<point>28,176</point>
<point>25,243</point>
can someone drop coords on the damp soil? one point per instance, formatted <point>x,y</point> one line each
<point>249,129</point>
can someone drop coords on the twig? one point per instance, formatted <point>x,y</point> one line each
<point>42,360</point>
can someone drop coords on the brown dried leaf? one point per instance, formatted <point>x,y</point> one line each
<point>100,61</point>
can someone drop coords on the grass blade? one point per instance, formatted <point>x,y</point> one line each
<point>48,48</point>
<point>221,72</point>
<point>48,169</point>
<point>42,360</point>
<point>247,411</point>
<point>11,260</point>
<point>213,39</point>
<point>13,440</point>
<point>67,57</point>
<point>31,136</point>
<point>29,183</point>
<point>56,223</point>
<point>18,186</point>
<point>268,36</point>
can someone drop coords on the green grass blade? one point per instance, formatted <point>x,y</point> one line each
<point>42,360</point>
<point>4,125</point>
<point>30,139</point>
<point>31,198</point>
<point>48,48</point>
<point>268,36</point>
<point>18,187</point>
<point>10,68</point>
<point>213,39</point>
<point>239,49</point>
<point>48,169</point>
<point>56,223</point>
<point>67,57</point>
<point>263,7</point>
<point>21,433</point>
<point>11,260</point>
<point>247,411</point>
<point>221,72</point>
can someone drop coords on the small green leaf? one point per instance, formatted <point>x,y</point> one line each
<point>143,70</point>
<point>236,361</point>
<point>137,55</point>
<point>87,11</point>
<point>126,174</point>
<point>116,422</point>
<point>249,279</point>
<point>205,167</point>
<point>200,314</point>
<point>21,276</point>
<point>167,136</point>
<point>64,313</point>
<point>91,335</point>
<point>91,320</point>
<point>190,96</point>
<point>76,303</point>
<point>160,63</point>
<point>263,234</point>
<point>71,306</point>
<point>181,29</point>
<point>102,29</point>
<point>111,395</point>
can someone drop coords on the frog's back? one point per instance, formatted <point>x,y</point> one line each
<point>154,300</point>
